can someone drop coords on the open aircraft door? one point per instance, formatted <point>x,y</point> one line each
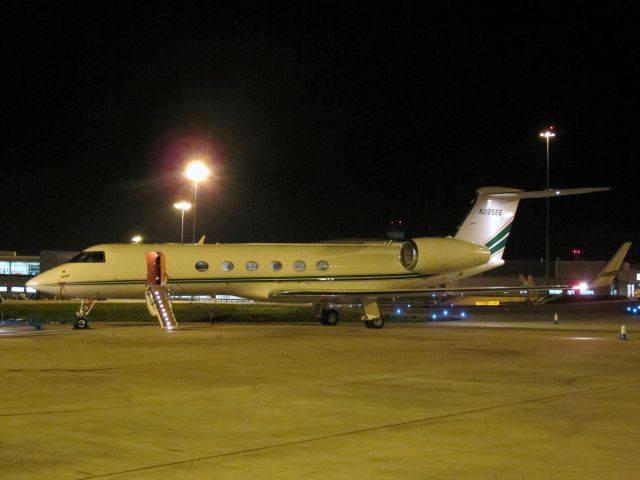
<point>156,268</point>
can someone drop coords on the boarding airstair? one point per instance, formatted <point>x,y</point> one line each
<point>159,305</point>
<point>157,291</point>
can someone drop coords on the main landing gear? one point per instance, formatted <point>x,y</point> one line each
<point>329,315</point>
<point>371,315</point>
<point>375,323</point>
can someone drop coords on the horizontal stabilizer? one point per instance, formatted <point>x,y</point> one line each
<point>548,193</point>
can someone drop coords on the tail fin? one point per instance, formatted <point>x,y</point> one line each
<point>490,219</point>
<point>527,282</point>
<point>611,269</point>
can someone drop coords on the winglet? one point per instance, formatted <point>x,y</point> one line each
<point>201,241</point>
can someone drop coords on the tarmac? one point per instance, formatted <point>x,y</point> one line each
<point>507,394</point>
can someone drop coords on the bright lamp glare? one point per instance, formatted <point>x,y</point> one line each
<point>182,205</point>
<point>548,133</point>
<point>197,171</point>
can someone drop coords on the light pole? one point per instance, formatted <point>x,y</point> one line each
<point>182,206</point>
<point>196,171</point>
<point>548,134</point>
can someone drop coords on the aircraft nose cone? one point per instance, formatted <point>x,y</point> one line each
<point>46,282</point>
<point>33,283</point>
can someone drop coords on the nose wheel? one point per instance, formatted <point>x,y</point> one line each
<point>81,324</point>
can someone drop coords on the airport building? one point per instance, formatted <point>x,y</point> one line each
<point>16,270</point>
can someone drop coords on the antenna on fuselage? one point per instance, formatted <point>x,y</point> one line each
<point>201,241</point>
<point>395,230</point>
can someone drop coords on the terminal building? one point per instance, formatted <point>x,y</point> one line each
<point>16,270</point>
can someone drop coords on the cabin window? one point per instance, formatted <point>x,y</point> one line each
<point>276,266</point>
<point>299,266</point>
<point>226,266</point>
<point>322,265</point>
<point>252,266</point>
<point>202,266</point>
<point>88,257</point>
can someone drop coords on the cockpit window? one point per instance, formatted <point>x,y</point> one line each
<point>88,257</point>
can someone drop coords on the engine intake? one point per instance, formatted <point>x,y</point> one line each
<point>441,255</point>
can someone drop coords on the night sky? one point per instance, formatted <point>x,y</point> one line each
<point>321,120</point>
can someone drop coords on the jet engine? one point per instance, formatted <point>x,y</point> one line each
<point>441,255</point>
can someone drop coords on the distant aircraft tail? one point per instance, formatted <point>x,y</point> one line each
<point>491,217</point>
<point>527,282</point>
<point>611,269</point>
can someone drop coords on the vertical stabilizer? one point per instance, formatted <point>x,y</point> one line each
<point>611,269</point>
<point>490,219</point>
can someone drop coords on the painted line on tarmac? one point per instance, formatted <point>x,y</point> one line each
<point>77,410</point>
<point>5,334</point>
<point>359,431</point>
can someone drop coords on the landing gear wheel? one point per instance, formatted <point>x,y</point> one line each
<point>330,318</point>
<point>81,324</point>
<point>375,323</point>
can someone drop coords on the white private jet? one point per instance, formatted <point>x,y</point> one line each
<point>324,274</point>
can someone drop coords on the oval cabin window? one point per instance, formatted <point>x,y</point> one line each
<point>202,266</point>
<point>252,266</point>
<point>276,266</point>
<point>299,266</point>
<point>322,265</point>
<point>226,266</point>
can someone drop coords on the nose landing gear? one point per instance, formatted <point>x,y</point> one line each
<point>83,312</point>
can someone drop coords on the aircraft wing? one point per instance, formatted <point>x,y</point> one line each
<point>354,296</point>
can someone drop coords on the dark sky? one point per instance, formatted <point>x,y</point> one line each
<point>321,120</point>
